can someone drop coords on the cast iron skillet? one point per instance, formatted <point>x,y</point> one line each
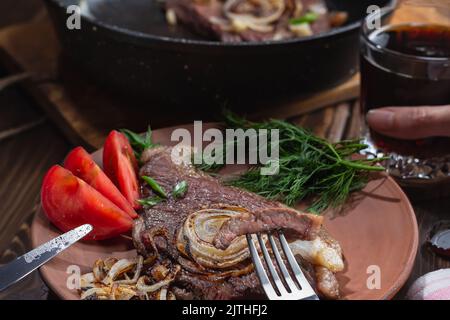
<point>127,45</point>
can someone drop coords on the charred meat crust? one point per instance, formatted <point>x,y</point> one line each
<point>327,283</point>
<point>298,225</point>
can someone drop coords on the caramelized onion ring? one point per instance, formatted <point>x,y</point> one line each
<point>195,239</point>
<point>145,288</point>
<point>279,9</point>
<point>259,24</point>
<point>117,269</point>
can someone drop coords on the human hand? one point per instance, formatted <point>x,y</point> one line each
<point>411,122</point>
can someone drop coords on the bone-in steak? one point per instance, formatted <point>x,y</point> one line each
<point>158,227</point>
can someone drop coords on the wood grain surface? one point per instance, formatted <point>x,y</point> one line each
<point>31,141</point>
<point>29,145</point>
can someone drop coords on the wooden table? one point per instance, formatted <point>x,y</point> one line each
<point>30,144</point>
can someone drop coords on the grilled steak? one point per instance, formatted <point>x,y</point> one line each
<point>208,18</point>
<point>157,231</point>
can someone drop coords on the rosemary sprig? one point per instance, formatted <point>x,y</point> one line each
<point>310,168</point>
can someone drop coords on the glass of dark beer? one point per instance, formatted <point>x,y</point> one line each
<point>406,64</point>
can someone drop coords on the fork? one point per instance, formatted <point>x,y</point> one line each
<point>283,286</point>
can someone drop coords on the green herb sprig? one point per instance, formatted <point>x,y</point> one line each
<point>155,186</point>
<point>308,17</point>
<point>310,168</point>
<point>138,142</point>
<point>150,202</point>
<point>178,191</point>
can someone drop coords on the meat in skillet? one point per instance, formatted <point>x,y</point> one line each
<point>252,20</point>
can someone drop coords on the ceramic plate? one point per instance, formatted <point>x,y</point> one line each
<point>377,231</point>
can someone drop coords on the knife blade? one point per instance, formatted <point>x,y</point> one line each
<point>16,270</point>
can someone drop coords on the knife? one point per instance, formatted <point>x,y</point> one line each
<point>24,265</point>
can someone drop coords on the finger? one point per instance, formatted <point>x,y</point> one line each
<point>411,122</point>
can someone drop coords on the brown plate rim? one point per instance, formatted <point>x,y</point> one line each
<point>406,272</point>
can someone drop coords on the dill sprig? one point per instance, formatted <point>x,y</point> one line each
<point>310,168</point>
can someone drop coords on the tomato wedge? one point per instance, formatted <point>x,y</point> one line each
<point>81,164</point>
<point>70,202</point>
<point>120,166</point>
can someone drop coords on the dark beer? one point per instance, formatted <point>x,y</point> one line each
<point>406,65</point>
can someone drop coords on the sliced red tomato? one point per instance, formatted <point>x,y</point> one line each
<point>120,166</point>
<point>70,202</point>
<point>81,164</point>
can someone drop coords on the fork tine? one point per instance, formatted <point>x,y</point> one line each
<point>260,271</point>
<point>287,277</point>
<point>301,279</point>
<point>273,272</point>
